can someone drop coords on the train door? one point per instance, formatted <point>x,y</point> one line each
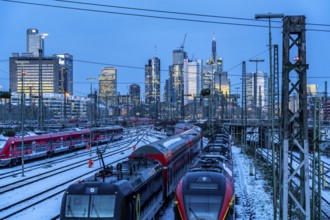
<point>62,142</point>
<point>34,147</point>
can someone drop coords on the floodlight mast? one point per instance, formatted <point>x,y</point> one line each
<point>269,16</point>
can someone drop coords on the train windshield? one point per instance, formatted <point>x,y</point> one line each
<point>90,206</point>
<point>205,206</point>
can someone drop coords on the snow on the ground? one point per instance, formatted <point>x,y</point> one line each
<point>252,199</point>
<point>50,208</point>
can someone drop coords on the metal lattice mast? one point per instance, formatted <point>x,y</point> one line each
<point>294,124</point>
<point>276,85</point>
<point>275,136</point>
<point>316,183</point>
<point>244,113</point>
<point>325,108</point>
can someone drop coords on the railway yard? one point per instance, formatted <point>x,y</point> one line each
<point>38,194</point>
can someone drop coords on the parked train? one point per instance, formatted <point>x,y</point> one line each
<point>37,146</point>
<point>207,190</point>
<point>136,188</point>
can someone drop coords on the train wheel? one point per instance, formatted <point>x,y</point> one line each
<point>13,162</point>
<point>49,153</point>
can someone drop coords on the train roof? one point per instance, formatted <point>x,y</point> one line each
<point>128,175</point>
<point>64,133</point>
<point>83,188</point>
<point>212,163</point>
<point>167,148</point>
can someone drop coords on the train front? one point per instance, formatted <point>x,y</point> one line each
<point>94,200</point>
<point>204,195</point>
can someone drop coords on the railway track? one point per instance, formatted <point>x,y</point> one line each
<point>245,195</point>
<point>52,162</point>
<point>325,207</point>
<point>55,188</point>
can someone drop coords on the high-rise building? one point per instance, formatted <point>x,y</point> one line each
<point>214,48</point>
<point>176,85</point>
<point>56,71</point>
<point>176,80</point>
<point>166,94</point>
<point>192,84</point>
<point>134,93</point>
<point>108,85</point>
<point>252,96</point>
<point>65,73</point>
<point>152,81</point>
<point>34,42</point>
<point>179,56</point>
<point>311,89</point>
<point>222,83</point>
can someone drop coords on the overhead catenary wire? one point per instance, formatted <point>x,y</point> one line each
<point>179,13</point>
<point>162,17</point>
<point>138,15</point>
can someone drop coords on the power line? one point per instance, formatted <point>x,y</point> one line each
<point>137,15</point>
<point>161,17</point>
<point>158,11</point>
<point>179,13</point>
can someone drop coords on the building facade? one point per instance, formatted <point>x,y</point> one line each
<point>152,81</point>
<point>192,71</point>
<point>34,42</point>
<point>56,72</point>
<point>135,94</point>
<point>256,83</point>
<point>108,85</point>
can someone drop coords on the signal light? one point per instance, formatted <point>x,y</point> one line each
<point>5,95</point>
<point>205,92</point>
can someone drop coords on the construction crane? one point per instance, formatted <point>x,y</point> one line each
<point>184,40</point>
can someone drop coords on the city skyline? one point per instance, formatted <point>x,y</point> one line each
<point>122,40</point>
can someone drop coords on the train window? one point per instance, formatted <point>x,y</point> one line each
<point>86,206</point>
<point>210,186</point>
<point>102,206</point>
<point>77,206</point>
<point>203,206</point>
<point>2,143</point>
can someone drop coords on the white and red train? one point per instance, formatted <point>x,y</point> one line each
<point>37,146</point>
<point>207,190</point>
<point>136,188</point>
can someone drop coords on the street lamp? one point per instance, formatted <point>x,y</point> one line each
<point>22,63</point>
<point>91,122</point>
<point>91,96</point>
<point>269,16</point>
<point>211,98</point>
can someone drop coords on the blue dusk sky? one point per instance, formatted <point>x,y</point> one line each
<point>103,36</point>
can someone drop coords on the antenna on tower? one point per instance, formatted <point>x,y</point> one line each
<point>155,51</point>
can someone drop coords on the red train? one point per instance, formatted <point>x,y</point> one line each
<point>181,127</point>
<point>37,146</point>
<point>138,187</point>
<point>207,190</point>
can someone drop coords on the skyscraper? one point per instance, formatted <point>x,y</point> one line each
<point>179,56</point>
<point>152,81</point>
<point>262,82</point>
<point>57,73</point>
<point>108,85</point>
<point>192,71</point>
<point>176,80</point>
<point>134,93</point>
<point>214,48</point>
<point>34,42</point>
